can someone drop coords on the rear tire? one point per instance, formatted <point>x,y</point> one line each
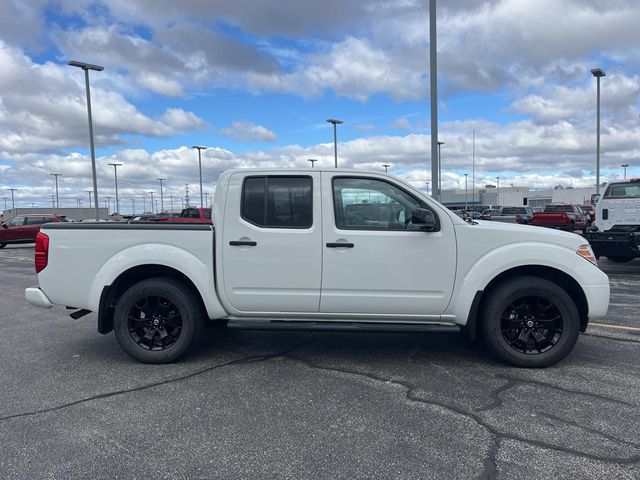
<point>529,322</point>
<point>620,259</point>
<point>2,245</point>
<point>157,320</point>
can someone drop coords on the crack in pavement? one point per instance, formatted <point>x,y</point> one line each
<point>523,381</point>
<point>495,395</point>
<point>100,396</point>
<point>595,431</point>
<point>471,415</point>
<point>616,339</point>
<point>490,471</point>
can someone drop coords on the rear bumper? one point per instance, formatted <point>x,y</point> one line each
<point>36,297</point>
<point>614,243</point>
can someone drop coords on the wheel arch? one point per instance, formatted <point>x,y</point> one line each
<point>560,278</point>
<point>111,293</point>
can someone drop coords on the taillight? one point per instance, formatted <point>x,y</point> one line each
<point>517,218</point>
<point>42,251</point>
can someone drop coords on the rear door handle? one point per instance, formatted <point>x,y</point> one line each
<point>242,243</point>
<point>340,245</point>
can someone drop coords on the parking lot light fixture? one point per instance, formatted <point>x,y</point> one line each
<point>466,198</point>
<point>625,166</point>
<point>386,167</point>
<point>200,148</point>
<point>13,202</point>
<point>598,73</point>
<point>98,68</point>
<point>56,175</point>
<point>335,122</point>
<point>313,162</point>
<point>115,171</point>
<point>439,169</point>
<point>152,204</point>
<point>161,194</point>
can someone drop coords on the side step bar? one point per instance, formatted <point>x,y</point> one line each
<point>327,326</point>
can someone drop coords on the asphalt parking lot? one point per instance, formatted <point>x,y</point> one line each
<point>259,405</point>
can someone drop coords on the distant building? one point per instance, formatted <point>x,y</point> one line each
<point>515,196</point>
<point>71,213</point>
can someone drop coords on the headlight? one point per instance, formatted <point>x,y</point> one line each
<point>585,252</point>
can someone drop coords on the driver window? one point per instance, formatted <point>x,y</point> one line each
<point>14,222</point>
<point>368,204</point>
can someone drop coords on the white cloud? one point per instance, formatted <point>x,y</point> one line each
<point>43,107</point>
<point>401,123</point>
<point>247,132</point>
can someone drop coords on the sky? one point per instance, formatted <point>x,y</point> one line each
<point>255,82</point>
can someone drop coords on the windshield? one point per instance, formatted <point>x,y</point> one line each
<point>623,190</point>
<point>558,208</point>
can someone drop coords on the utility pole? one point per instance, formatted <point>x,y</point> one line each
<point>186,196</point>
<point>115,171</point>
<point>335,122</point>
<point>13,202</point>
<point>200,148</point>
<point>433,74</point>
<point>161,194</point>
<point>89,192</point>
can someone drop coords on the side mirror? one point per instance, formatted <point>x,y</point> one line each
<point>594,198</point>
<point>423,219</point>
<point>4,225</point>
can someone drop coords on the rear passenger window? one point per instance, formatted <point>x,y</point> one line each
<point>35,220</point>
<point>277,202</point>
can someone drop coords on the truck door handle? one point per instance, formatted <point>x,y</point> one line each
<point>340,245</point>
<point>240,243</point>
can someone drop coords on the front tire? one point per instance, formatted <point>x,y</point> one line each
<point>157,320</point>
<point>530,322</point>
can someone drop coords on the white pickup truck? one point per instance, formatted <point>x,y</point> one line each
<point>337,249</point>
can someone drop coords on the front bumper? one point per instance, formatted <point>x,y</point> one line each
<point>597,299</point>
<point>36,297</point>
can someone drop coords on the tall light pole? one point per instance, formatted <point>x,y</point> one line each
<point>133,206</point>
<point>200,148</point>
<point>86,67</point>
<point>386,166</point>
<point>56,175</point>
<point>115,172</point>
<point>206,199</point>
<point>108,204</point>
<point>89,192</point>
<point>186,195</point>
<point>427,188</point>
<point>171,200</point>
<point>13,203</point>
<point>439,169</point>
<point>152,204</point>
<point>53,201</point>
<point>161,194</point>
<point>625,166</point>
<point>5,202</point>
<point>466,197</point>
<point>598,73</point>
<point>335,138</point>
<point>433,79</point>
<point>313,162</point>
<point>498,198</point>
<point>473,167</point>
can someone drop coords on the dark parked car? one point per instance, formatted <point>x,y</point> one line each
<point>24,228</point>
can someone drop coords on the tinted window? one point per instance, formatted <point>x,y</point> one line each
<point>623,190</point>
<point>207,213</point>
<point>514,211</point>
<point>14,222</point>
<point>35,220</point>
<point>365,203</point>
<point>558,208</point>
<point>277,202</point>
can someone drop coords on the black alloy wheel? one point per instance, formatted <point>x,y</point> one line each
<point>158,319</point>
<point>529,321</point>
<point>154,323</point>
<point>531,325</point>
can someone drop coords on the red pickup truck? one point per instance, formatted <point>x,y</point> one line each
<point>188,215</point>
<point>24,228</point>
<point>564,217</point>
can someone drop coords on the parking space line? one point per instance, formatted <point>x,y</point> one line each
<point>620,327</point>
